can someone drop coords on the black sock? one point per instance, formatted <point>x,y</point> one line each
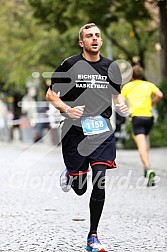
<point>97,197</point>
<point>91,233</point>
<point>96,207</point>
<point>145,171</point>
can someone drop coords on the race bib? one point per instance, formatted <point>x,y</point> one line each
<point>94,125</point>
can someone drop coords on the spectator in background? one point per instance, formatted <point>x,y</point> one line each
<point>29,105</point>
<point>29,116</point>
<point>42,120</point>
<point>4,134</point>
<point>141,96</point>
<point>55,118</point>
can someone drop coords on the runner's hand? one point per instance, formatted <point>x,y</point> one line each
<point>122,108</point>
<point>76,112</point>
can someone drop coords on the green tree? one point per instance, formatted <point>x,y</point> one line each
<point>126,23</point>
<point>158,135</point>
<point>26,45</point>
<point>163,27</point>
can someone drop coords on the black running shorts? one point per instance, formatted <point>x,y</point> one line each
<point>78,163</point>
<point>142,125</point>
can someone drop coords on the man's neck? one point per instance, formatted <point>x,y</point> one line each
<point>91,57</point>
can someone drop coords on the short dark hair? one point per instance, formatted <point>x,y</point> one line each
<point>138,72</point>
<point>86,26</point>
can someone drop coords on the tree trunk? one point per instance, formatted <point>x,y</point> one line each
<point>163,20</point>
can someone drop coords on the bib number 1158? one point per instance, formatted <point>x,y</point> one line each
<point>94,125</point>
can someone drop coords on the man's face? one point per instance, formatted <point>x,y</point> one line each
<point>91,41</point>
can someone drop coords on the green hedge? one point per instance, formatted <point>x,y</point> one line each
<point>158,136</point>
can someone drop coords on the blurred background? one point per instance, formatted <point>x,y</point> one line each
<point>36,35</point>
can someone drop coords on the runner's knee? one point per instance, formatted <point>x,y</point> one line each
<point>98,180</point>
<point>78,191</point>
<point>79,184</point>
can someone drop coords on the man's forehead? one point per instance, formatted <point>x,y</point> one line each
<point>91,30</point>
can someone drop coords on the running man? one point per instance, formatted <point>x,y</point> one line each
<point>141,96</point>
<point>87,135</point>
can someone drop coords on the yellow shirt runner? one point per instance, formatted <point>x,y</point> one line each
<point>138,94</point>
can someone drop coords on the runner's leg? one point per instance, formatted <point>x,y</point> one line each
<point>142,146</point>
<point>79,184</point>
<point>97,197</point>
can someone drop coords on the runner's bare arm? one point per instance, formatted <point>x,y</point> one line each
<point>157,97</point>
<point>56,101</point>
<point>120,104</point>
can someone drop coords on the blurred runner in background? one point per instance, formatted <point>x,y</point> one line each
<point>141,96</point>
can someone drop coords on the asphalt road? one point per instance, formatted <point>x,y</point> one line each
<point>35,215</point>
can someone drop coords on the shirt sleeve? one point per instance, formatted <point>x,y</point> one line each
<point>154,89</point>
<point>123,92</point>
<point>58,78</point>
<point>115,78</point>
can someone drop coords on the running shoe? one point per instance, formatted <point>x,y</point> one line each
<point>65,181</point>
<point>150,177</point>
<point>94,245</point>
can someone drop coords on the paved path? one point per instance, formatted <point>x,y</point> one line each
<point>35,215</point>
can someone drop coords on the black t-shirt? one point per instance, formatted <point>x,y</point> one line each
<point>81,82</point>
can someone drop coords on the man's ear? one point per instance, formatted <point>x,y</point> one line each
<point>80,43</point>
<point>101,42</point>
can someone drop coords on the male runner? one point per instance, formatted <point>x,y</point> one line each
<point>141,96</point>
<point>87,135</point>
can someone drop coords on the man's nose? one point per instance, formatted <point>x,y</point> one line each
<point>94,37</point>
